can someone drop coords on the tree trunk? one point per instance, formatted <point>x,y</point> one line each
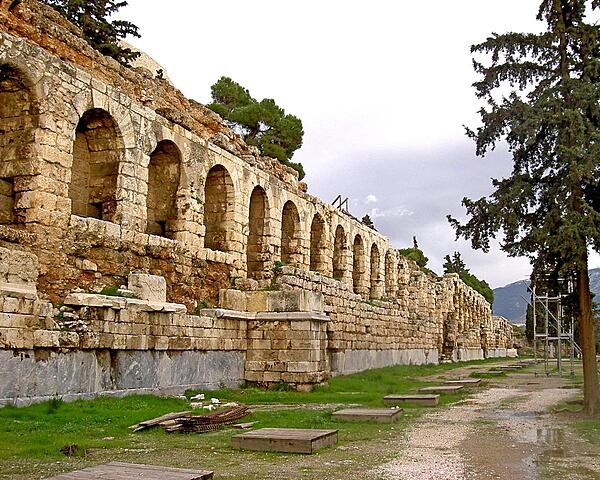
<point>591,389</point>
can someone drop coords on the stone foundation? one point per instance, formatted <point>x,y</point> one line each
<point>41,374</point>
<point>353,361</point>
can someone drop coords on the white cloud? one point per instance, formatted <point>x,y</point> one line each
<point>390,212</point>
<point>382,118</point>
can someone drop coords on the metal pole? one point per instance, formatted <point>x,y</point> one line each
<point>572,346</point>
<point>546,346</point>
<point>559,335</point>
<point>534,327</point>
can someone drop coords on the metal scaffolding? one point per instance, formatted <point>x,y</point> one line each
<point>558,330</point>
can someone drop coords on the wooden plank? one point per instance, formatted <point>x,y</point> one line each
<point>442,388</point>
<point>156,421</point>
<point>423,399</point>
<point>379,415</point>
<point>467,382</point>
<point>290,440</point>
<point>126,471</point>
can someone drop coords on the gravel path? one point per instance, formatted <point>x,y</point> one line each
<point>501,432</point>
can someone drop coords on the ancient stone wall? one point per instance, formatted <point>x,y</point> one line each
<point>107,171</point>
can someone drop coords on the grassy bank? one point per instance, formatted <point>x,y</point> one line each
<point>31,438</point>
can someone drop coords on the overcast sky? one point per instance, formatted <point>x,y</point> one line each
<point>383,89</point>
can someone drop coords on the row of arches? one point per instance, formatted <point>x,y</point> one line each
<point>101,178</point>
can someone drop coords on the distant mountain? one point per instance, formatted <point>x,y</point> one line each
<point>511,300</point>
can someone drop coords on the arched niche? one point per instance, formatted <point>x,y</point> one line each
<point>218,208</point>
<point>97,152</point>
<point>358,264</point>
<point>318,254</point>
<point>163,183</point>
<point>374,284</point>
<point>291,252</point>
<point>338,261</point>
<point>257,247</point>
<point>18,121</point>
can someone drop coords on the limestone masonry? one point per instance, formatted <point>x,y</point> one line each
<point>217,266</point>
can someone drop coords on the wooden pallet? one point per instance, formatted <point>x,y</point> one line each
<point>291,440</point>
<point>467,382</point>
<point>127,471</point>
<point>442,389</point>
<point>424,399</point>
<point>379,415</point>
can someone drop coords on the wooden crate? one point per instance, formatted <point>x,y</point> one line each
<point>423,399</point>
<point>442,389</point>
<point>127,471</point>
<point>292,440</point>
<point>379,415</point>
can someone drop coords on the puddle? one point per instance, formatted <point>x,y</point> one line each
<point>551,438</point>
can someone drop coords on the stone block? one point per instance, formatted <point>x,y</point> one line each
<point>148,287</point>
<point>257,301</point>
<point>233,299</point>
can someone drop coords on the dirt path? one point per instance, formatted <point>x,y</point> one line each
<point>503,432</point>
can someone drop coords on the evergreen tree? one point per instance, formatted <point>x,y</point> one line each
<point>547,207</point>
<point>261,123</point>
<point>91,16</point>
<point>366,220</point>
<point>455,264</point>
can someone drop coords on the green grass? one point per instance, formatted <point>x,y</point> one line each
<point>40,430</point>
<point>100,426</point>
<point>365,388</point>
<point>589,429</point>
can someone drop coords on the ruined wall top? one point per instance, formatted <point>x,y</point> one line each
<point>42,26</point>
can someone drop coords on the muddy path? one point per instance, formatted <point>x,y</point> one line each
<point>505,431</point>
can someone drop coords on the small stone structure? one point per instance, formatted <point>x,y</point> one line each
<point>110,177</point>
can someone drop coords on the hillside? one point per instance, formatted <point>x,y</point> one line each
<point>511,300</point>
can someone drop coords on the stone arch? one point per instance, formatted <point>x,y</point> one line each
<point>97,152</point>
<point>391,275</point>
<point>291,252</point>
<point>219,199</point>
<point>18,121</point>
<point>374,291</point>
<point>358,265</point>
<point>257,247</point>
<point>163,183</point>
<point>339,246</point>
<point>318,245</point>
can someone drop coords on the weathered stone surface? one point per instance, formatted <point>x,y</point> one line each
<point>43,374</point>
<point>148,287</point>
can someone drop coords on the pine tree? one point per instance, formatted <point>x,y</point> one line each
<point>366,220</point>
<point>91,16</point>
<point>455,264</point>
<point>547,208</point>
<point>262,123</point>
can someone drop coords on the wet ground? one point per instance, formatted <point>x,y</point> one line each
<point>508,430</point>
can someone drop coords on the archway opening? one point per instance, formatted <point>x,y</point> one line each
<point>291,253</point>
<point>97,151</point>
<point>339,245</point>
<point>218,208</point>
<point>163,183</point>
<point>318,254</point>
<point>257,248</point>
<point>18,120</point>
<point>374,290</point>
<point>358,264</point>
